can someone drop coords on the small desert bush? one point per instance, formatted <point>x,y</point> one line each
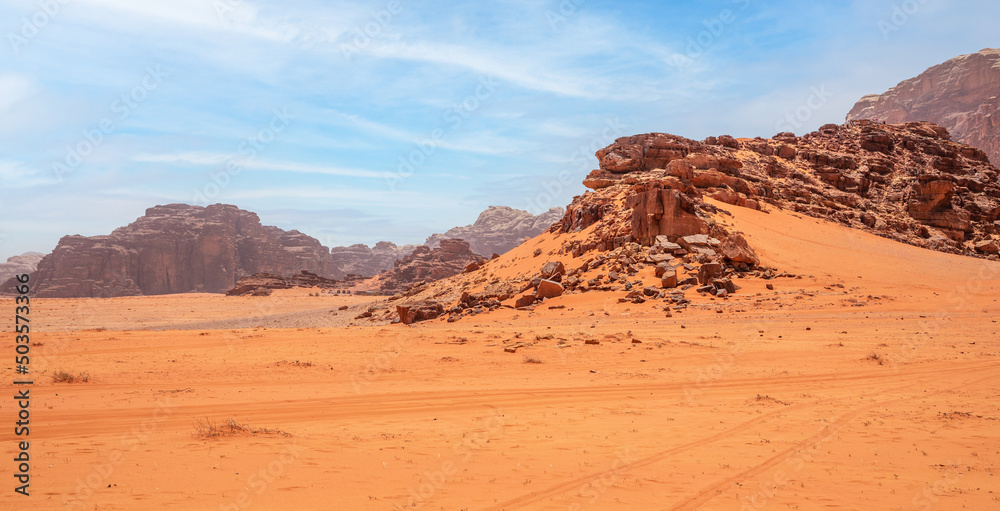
<point>876,357</point>
<point>230,427</point>
<point>532,360</point>
<point>293,363</point>
<point>68,377</point>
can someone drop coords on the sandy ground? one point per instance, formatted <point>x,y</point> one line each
<point>870,382</point>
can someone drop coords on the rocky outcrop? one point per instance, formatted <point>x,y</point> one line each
<point>427,264</point>
<point>176,248</point>
<point>962,94</point>
<point>261,284</point>
<point>420,311</point>
<point>19,264</point>
<point>368,261</point>
<point>908,182</point>
<point>499,229</point>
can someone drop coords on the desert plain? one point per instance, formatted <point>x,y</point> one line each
<point>867,378</point>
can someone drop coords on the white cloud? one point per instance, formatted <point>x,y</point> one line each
<point>213,159</point>
<point>14,88</point>
<point>237,16</point>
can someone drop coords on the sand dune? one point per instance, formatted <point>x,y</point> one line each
<point>868,381</point>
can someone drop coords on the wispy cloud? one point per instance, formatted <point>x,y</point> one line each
<point>417,72</point>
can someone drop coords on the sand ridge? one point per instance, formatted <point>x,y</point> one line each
<point>867,381</point>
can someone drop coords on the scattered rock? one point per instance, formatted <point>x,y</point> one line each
<point>709,271</point>
<point>553,270</point>
<point>524,301</point>
<point>669,279</point>
<point>988,247</point>
<point>548,289</point>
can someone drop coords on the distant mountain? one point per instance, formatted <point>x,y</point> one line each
<point>962,94</point>
<point>177,248</point>
<point>499,229</point>
<point>16,265</point>
<point>368,261</point>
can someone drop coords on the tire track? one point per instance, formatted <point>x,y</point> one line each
<point>709,493</point>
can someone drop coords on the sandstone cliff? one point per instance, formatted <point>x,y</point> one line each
<point>499,229</point>
<point>177,248</point>
<point>907,182</point>
<point>962,94</point>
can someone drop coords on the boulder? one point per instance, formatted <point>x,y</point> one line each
<point>709,271</point>
<point>661,269</point>
<point>524,301</point>
<point>419,311</point>
<point>548,289</point>
<point>669,280</point>
<point>726,284</point>
<point>665,245</point>
<point>988,247</point>
<point>553,269</point>
<point>736,249</point>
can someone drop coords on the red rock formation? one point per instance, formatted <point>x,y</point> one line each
<point>176,248</point>
<point>499,229</point>
<point>962,94</point>
<point>426,264</point>
<point>908,182</point>
<point>261,284</point>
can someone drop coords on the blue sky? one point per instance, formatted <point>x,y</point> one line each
<point>363,121</point>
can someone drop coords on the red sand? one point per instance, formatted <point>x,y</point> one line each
<point>869,383</point>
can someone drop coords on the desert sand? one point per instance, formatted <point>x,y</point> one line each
<point>869,380</point>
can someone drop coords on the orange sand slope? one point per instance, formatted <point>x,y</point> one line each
<point>870,382</point>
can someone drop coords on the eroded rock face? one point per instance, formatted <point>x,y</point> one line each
<point>909,182</point>
<point>962,94</point>
<point>426,264</point>
<point>499,229</point>
<point>367,261</point>
<point>176,248</point>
